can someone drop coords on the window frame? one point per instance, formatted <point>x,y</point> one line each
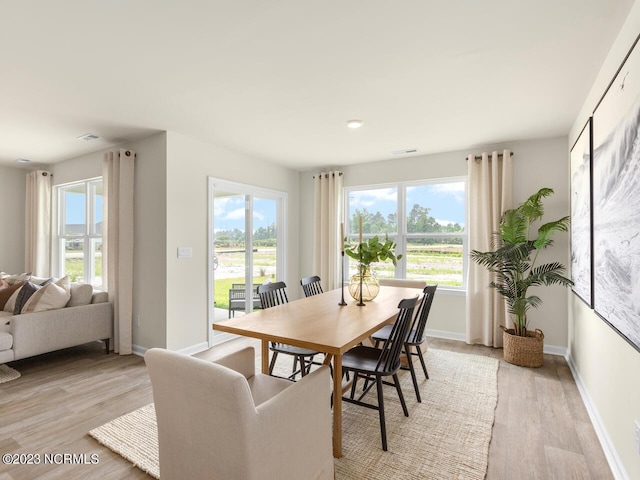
<point>87,238</point>
<point>401,236</point>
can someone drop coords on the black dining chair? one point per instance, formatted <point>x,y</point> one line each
<point>416,336</point>
<point>311,286</point>
<point>370,362</point>
<point>271,295</point>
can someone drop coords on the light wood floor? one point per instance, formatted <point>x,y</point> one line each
<point>541,431</point>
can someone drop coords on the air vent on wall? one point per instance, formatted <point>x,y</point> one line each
<point>404,152</point>
<point>88,137</point>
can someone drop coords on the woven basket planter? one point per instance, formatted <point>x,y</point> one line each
<point>523,351</point>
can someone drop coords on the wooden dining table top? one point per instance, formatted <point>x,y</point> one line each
<point>319,322</point>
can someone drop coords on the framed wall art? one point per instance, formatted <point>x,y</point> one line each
<point>581,216</point>
<point>616,201</point>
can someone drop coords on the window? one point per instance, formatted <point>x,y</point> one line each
<point>80,231</point>
<point>426,219</point>
<point>247,232</point>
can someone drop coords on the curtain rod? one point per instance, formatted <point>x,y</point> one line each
<point>326,175</point>
<point>479,157</point>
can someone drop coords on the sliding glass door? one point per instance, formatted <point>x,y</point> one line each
<point>246,239</point>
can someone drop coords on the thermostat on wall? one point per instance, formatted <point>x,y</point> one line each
<point>185,252</point>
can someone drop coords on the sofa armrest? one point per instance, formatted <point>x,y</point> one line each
<point>42,332</point>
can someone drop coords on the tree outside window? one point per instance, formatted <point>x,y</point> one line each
<point>425,219</point>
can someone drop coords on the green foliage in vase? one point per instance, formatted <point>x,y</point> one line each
<point>372,250</point>
<point>513,260</point>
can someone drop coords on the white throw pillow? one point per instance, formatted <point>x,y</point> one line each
<point>50,297</point>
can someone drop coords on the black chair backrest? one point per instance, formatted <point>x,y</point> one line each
<point>390,355</point>
<point>416,332</point>
<point>311,286</point>
<point>272,294</point>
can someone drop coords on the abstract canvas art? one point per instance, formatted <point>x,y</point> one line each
<point>616,202</point>
<point>581,245</point>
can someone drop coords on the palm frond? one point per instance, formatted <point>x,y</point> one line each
<point>546,231</point>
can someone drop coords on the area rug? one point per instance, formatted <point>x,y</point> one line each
<point>7,374</point>
<point>445,437</point>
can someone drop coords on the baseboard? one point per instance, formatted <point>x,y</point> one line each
<point>138,350</point>
<point>555,350</point>
<point>193,349</point>
<point>461,337</point>
<point>615,463</point>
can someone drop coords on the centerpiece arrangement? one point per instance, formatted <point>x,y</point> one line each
<point>514,265</point>
<point>365,253</point>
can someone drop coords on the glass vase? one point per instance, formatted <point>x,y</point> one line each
<point>370,285</point>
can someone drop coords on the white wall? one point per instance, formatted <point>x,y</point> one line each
<point>189,164</point>
<point>607,366</point>
<point>149,268</point>
<point>13,188</point>
<point>538,163</point>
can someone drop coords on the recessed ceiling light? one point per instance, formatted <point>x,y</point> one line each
<point>88,137</point>
<point>354,123</point>
<point>23,160</point>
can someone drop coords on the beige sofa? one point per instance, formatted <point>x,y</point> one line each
<point>87,317</point>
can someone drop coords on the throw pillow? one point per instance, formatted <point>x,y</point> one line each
<point>11,295</point>
<point>6,291</point>
<point>25,293</point>
<point>13,279</point>
<point>50,297</point>
<point>81,294</point>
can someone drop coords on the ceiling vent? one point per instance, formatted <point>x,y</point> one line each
<point>23,160</point>
<point>405,152</point>
<point>88,137</point>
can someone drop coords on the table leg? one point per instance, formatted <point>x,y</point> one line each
<point>265,357</point>
<point>337,406</point>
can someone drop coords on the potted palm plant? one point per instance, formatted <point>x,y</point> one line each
<point>514,265</point>
<point>365,253</point>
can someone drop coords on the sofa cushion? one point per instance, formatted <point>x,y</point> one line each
<point>100,297</point>
<point>27,290</point>
<point>10,294</point>
<point>11,279</point>
<point>6,291</point>
<point>81,294</point>
<point>50,297</point>
<point>6,339</point>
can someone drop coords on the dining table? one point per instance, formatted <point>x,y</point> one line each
<point>320,323</point>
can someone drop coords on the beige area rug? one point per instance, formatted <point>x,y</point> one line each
<point>7,374</point>
<point>445,437</point>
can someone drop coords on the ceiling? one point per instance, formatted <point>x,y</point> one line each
<point>279,79</point>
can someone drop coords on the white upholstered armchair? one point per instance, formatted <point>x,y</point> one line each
<point>221,420</point>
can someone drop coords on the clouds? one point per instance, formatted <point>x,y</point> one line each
<point>369,198</point>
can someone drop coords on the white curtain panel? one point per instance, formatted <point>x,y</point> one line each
<point>490,195</point>
<point>117,235</point>
<point>38,223</point>
<point>327,207</point>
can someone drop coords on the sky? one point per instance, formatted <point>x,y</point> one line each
<point>229,212</point>
<point>76,205</point>
<point>446,201</point>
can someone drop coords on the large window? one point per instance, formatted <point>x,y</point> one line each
<point>426,219</point>
<point>80,231</point>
